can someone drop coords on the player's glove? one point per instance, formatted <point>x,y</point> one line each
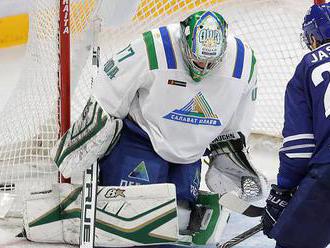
<point>276,202</point>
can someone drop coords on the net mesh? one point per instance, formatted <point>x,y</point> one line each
<point>29,124</point>
<point>271,27</point>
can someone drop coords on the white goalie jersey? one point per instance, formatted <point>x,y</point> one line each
<point>149,81</point>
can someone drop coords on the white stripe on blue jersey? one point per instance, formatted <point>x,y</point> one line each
<point>298,137</point>
<point>299,155</point>
<point>296,147</point>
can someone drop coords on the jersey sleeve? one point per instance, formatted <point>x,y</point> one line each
<point>298,143</point>
<point>241,121</point>
<point>120,78</point>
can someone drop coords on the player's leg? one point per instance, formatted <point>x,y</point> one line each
<point>186,178</point>
<point>132,161</point>
<point>306,221</point>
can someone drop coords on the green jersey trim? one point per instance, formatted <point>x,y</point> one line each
<point>151,50</point>
<point>253,63</point>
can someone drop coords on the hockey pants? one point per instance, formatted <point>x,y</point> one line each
<point>133,161</point>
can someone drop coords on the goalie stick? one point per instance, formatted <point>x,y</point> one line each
<point>234,203</point>
<point>90,181</point>
<point>88,207</point>
<point>241,237</point>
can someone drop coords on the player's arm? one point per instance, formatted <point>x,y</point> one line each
<point>297,149</point>
<point>120,78</point>
<point>298,143</point>
<point>230,166</point>
<point>97,129</point>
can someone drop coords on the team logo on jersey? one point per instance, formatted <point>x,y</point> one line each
<point>196,112</point>
<point>140,172</point>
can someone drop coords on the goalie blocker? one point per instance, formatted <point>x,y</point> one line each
<point>92,135</point>
<point>125,216</point>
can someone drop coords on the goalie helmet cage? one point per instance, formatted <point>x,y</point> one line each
<point>33,118</point>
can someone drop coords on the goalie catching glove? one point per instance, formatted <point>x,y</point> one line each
<point>89,138</point>
<point>230,168</point>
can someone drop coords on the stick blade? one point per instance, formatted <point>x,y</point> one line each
<point>232,202</point>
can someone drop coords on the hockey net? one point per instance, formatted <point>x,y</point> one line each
<point>30,122</point>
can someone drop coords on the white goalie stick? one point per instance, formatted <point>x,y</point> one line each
<point>90,180</point>
<point>88,207</point>
<point>235,204</point>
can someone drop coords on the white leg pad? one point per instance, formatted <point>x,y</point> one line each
<point>125,216</point>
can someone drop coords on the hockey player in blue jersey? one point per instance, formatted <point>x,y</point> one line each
<point>297,211</point>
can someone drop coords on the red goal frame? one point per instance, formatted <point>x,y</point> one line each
<point>64,71</point>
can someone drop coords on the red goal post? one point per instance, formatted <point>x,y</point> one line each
<point>64,57</point>
<point>64,70</point>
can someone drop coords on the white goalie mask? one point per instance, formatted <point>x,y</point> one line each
<point>203,42</point>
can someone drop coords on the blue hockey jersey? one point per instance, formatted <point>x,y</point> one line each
<point>306,129</point>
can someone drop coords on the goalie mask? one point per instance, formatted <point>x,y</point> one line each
<point>203,42</point>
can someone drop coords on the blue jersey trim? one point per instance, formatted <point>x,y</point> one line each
<point>168,48</point>
<point>238,70</point>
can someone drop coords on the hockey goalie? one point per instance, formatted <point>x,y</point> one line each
<point>172,96</point>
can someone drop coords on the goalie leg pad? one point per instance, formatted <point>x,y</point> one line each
<point>89,138</point>
<point>125,216</point>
